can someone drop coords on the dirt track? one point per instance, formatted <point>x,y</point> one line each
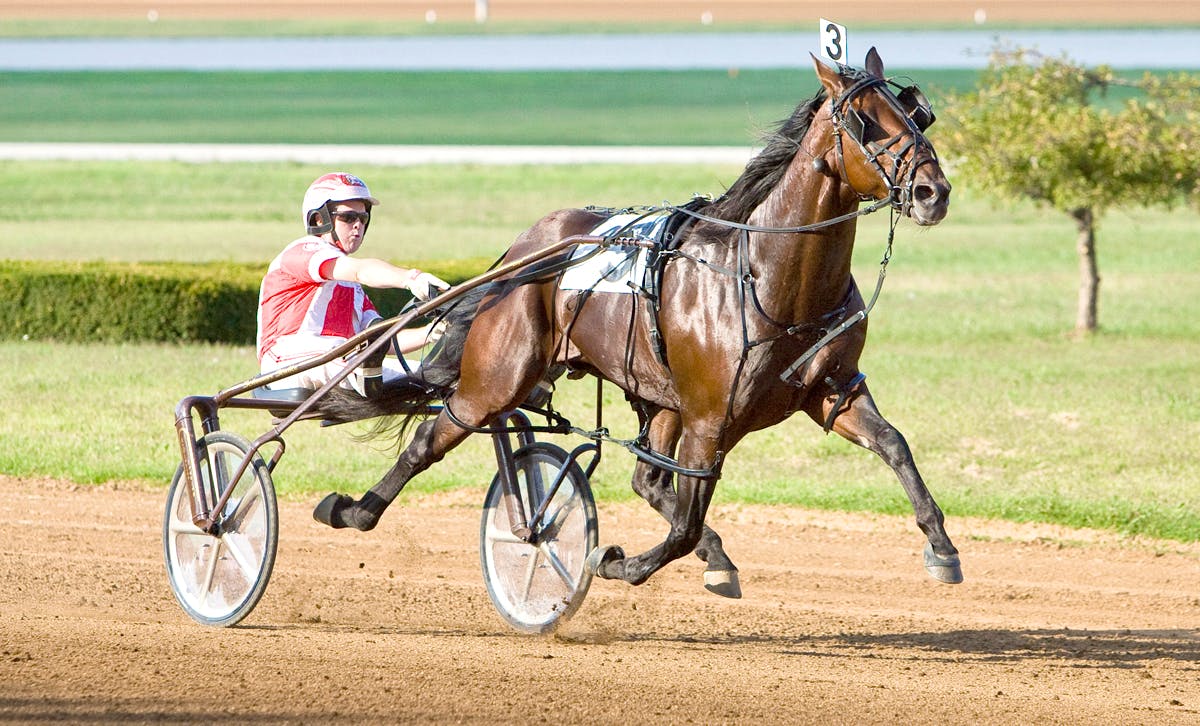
<point>839,624</point>
<point>802,12</point>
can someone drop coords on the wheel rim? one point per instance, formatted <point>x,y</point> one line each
<point>218,579</point>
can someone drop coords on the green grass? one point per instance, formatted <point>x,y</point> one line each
<point>969,354</point>
<point>596,108</point>
<point>173,211</point>
<point>703,107</point>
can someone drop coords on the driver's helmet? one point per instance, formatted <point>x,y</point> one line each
<point>335,187</point>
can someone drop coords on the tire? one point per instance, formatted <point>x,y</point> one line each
<point>536,587</point>
<point>218,580</point>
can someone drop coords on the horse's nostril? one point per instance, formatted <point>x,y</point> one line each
<point>925,193</point>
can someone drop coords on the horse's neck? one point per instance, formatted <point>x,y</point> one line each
<point>803,276</point>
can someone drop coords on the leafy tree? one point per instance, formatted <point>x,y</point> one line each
<point>1049,130</point>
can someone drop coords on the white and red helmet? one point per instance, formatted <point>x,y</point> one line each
<point>334,187</point>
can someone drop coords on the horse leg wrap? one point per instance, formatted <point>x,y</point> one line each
<point>341,511</point>
<point>723,582</point>
<point>599,561</point>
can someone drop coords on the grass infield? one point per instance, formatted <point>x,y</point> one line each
<point>969,352</point>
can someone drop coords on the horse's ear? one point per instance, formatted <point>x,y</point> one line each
<point>830,78</point>
<point>874,63</point>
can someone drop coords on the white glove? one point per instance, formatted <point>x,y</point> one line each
<point>436,332</point>
<point>423,284</point>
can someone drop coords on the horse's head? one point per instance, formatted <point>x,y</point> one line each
<point>878,140</point>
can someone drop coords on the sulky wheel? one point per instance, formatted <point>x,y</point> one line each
<point>218,578</point>
<point>536,585</point>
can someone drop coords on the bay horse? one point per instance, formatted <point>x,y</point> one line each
<point>758,277</point>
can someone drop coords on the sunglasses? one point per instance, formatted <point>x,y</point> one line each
<point>351,217</point>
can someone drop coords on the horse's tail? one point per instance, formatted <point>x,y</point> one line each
<point>408,399</point>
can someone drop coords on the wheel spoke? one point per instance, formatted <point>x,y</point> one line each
<point>498,533</point>
<point>245,559</point>
<point>506,537</point>
<point>182,526</point>
<point>254,495</point>
<point>567,578</point>
<point>529,573</point>
<point>550,521</point>
<point>210,570</point>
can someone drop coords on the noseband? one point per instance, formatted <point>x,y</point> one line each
<point>918,116</point>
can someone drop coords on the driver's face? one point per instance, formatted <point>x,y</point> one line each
<point>350,225</point>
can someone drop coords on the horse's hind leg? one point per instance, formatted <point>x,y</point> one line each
<point>693,495</point>
<point>489,383</point>
<point>861,423</point>
<point>657,487</point>
<point>429,444</point>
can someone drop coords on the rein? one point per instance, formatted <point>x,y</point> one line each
<point>899,199</point>
<point>880,204</point>
<point>854,319</point>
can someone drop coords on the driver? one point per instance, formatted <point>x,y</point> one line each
<point>311,299</point>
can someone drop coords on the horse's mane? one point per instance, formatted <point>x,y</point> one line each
<point>765,170</point>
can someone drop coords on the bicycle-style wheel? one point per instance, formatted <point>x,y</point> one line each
<point>219,578</point>
<point>537,585</point>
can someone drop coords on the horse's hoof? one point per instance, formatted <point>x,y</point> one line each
<point>340,511</point>
<point>723,582</point>
<point>942,569</point>
<point>329,511</point>
<point>599,558</point>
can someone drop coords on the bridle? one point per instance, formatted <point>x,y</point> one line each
<point>911,105</point>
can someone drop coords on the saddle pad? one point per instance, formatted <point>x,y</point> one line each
<point>612,269</point>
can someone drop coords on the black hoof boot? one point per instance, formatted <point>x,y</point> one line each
<point>340,511</point>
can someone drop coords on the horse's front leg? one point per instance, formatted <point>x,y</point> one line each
<point>687,520</point>
<point>860,422</point>
<point>657,487</point>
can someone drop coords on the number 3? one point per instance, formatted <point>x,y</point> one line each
<point>833,40</point>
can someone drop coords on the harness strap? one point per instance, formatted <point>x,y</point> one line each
<point>853,319</point>
<point>842,393</point>
<point>880,204</point>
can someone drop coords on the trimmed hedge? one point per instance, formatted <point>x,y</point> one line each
<point>170,302</point>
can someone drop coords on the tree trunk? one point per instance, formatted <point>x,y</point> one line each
<point>1089,276</point>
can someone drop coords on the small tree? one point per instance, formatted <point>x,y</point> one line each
<point>1043,128</point>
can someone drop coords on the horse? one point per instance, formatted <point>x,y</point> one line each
<point>756,317</point>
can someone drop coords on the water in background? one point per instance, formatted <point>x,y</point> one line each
<point>1146,48</point>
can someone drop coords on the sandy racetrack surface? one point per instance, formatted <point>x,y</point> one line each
<point>839,624</point>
